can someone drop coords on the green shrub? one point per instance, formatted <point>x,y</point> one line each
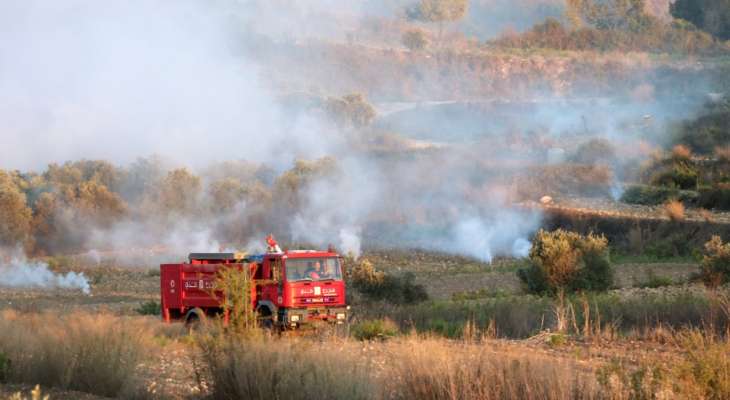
<point>680,173</point>
<point>715,268</point>
<point>594,151</point>
<point>562,260</point>
<point>4,367</point>
<point>655,195</point>
<point>374,329</point>
<point>414,39</point>
<point>654,281</point>
<point>376,285</point>
<point>672,246</point>
<point>710,130</point>
<point>715,198</point>
<point>149,308</point>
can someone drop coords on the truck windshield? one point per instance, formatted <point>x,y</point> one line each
<point>313,269</point>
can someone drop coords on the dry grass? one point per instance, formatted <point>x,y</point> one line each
<point>435,369</point>
<point>706,215</point>
<point>257,368</point>
<point>90,353</point>
<point>674,210</point>
<point>409,368</point>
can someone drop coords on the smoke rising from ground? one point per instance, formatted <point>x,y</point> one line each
<point>200,82</point>
<point>18,272</point>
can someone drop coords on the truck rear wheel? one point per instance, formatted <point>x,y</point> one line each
<point>194,319</point>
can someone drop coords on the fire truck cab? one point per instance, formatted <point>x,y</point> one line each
<point>289,288</point>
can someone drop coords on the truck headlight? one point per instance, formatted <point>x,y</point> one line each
<point>340,315</point>
<point>294,318</point>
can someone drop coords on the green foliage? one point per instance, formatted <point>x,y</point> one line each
<point>233,287</point>
<point>526,315</point>
<point>712,16</point>
<point>609,14</point>
<point>672,246</point>
<point>439,10</point>
<point>149,308</point>
<point>4,367</point>
<point>682,174</point>
<point>708,131</point>
<point>715,268</point>
<point>562,260</point>
<point>557,340</point>
<point>654,281</point>
<point>376,285</point>
<point>655,195</point>
<point>715,198</point>
<point>595,151</point>
<point>414,39</point>
<point>374,329</point>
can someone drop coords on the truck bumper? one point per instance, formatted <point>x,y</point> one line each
<point>299,316</point>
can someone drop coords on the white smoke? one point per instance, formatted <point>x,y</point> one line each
<point>350,241</point>
<point>506,233</point>
<point>21,273</point>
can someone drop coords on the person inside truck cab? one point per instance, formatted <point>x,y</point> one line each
<point>314,271</point>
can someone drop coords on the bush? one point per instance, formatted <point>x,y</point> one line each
<point>705,370</point>
<point>562,260</point>
<point>654,195</point>
<point>376,285</point>
<point>676,173</point>
<point>4,367</point>
<point>374,329</point>
<point>708,131</point>
<point>715,269</point>
<point>674,210</point>
<point>149,308</point>
<point>595,151</point>
<point>654,281</point>
<point>414,39</point>
<point>715,198</point>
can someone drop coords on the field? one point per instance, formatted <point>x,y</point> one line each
<point>477,317</point>
<point>531,198</point>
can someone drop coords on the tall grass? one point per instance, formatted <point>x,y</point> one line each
<point>258,368</point>
<point>436,370</point>
<point>90,353</point>
<point>516,317</point>
<point>410,368</point>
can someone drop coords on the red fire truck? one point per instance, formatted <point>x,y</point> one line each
<point>290,288</point>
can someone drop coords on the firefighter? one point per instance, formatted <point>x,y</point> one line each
<point>314,271</point>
